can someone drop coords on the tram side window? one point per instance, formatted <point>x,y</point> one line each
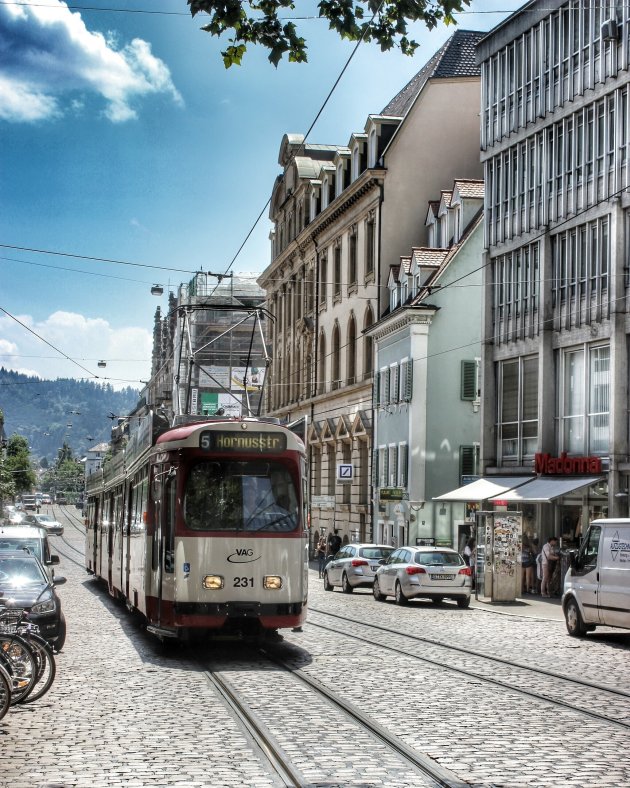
<point>235,496</point>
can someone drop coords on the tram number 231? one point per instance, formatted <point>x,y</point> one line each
<point>243,582</point>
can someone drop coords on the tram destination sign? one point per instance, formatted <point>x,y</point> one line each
<point>239,442</point>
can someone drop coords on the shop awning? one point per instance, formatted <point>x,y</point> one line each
<point>486,487</point>
<point>544,490</point>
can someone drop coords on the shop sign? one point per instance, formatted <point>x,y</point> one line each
<point>323,501</point>
<point>566,466</point>
<point>393,494</point>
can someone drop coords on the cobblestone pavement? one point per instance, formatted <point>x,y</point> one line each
<point>123,712</point>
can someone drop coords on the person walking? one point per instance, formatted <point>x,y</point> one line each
<point>334,543</point>
<point>548,560</point>
<point>321,555</point>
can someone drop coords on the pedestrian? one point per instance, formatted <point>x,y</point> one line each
<point>549,559</point>
<point>334,543</point>
<point>469,551</point>
<point>321,555</point>
<point>528,562</point>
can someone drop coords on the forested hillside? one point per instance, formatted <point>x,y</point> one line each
<point>51,412</point>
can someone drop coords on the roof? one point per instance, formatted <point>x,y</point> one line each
<point>455,58</point>
<point>469,188</point>
<point>425,256</point>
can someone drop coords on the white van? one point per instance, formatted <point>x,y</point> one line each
<point>597,586</point>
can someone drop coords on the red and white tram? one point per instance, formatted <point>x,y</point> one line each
<point>204,528</point>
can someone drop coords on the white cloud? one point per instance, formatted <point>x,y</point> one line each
<point>49,56</point>
<point>126,350</point>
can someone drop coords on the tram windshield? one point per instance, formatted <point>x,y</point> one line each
<point>240,496</point>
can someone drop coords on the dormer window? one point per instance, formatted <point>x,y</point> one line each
<point>394,297</point>
<point>356,163</point>
<point>405,291</point>
<point>325,188</point>
<point>372,149</point>
<point>339,182</point>
<point>313,205</point>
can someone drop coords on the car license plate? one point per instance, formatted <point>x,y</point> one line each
<point>441,577</point>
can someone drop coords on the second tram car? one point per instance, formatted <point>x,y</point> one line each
<point>203,529</point>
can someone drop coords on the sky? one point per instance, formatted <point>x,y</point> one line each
<point>124,138</point>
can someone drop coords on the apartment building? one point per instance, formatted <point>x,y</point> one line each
<point>341,215</point>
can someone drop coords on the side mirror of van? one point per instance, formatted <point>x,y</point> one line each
<point>54,559</point>
<point>58,580</point>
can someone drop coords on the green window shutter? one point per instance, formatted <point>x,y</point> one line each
<point>469,380</point>
<point>468,460</point>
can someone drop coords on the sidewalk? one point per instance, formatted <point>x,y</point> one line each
<point>530,606</point>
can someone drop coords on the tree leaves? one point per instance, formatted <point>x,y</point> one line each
<point>267,23</point>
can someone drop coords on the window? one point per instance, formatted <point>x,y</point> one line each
<point>403,464</point>
<point>406,380</point>
<point>372,148</point>
<point>518,409</point>
<point>337,271</point>
<point>325,192</point>
<point>241,496</point>
<point>339,184</point>
<point>356,165</point>
<point>369,247</point>
<point>393,466</point>
<point>367,344</point>
<point>321,372</point>
<point>336,358</point>
<point>470,381</point>
<point>383,467</point>
<point>323,279</point>
<point>352,259</point>
<point>585,400</point>
<point>468,461</point>
<point>351,351</point>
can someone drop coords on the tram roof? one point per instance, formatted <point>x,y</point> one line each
<point>183,432</point>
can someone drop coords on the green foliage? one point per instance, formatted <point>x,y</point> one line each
<point>264,22</point>
<point>7,484</point>
<point>18,464</point>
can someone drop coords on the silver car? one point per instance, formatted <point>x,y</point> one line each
<point>354,566</point>
<point>45,521</point>
<point>435,573</point>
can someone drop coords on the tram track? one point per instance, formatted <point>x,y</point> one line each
<point>412,764</point>
<point>552,696</point>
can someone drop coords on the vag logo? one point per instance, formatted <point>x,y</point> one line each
<point>243,555</point>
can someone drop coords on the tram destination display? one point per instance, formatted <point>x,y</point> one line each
<point>238,442</point>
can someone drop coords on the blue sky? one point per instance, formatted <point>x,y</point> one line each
<point>124,137</point>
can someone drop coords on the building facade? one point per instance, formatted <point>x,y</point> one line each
<point>341,215</point>
<point>554,140</point>
<point>426,395</point>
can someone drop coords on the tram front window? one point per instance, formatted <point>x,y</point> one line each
<point>240,496</point>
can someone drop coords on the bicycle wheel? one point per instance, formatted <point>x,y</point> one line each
<point>5,692</point>
<point>21,664</point>
<point>46,668</point>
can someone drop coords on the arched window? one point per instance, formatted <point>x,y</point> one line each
<point>367,344</point>
<point>351,351</point>
<point>336,357</point>
<point>339,181</point>
<point>356,166</point>
<point>325,193</point>
<point>372,149</point>
<point>321,367</point>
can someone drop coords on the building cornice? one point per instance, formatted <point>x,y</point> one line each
<point>400,319</point>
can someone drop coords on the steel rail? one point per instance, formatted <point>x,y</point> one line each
<point>474,653</point>
<point>428,768</point>
<point>262,738</point>
<point>480,677</point>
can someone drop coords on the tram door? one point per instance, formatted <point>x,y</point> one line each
<point>157,491</point>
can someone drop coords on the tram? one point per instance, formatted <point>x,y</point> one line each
<point>202,528</point>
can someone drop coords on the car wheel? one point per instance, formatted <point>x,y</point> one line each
<point>464,602</point>
<point>437,600</point>
<point>376,590</point>
<point>327,584</point>
<point>573,618</point>
<point>345,584</point>
<point>401,599</point>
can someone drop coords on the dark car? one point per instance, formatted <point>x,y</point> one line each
<point>25,584</point>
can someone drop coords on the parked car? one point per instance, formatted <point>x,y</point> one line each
<point>25,584</point>
<point>354,566</point>
<point>51,525</point>
<point>13,517</point>
<point>32,538</point>
<point>434,573</point>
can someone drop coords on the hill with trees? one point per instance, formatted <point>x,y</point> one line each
<point>54,413</point>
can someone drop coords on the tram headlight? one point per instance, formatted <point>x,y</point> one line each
<point>272,582</point>
<point>213,582</point>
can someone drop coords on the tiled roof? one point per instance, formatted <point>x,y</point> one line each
<point>469,188</point>
<point>394,271</point>
<point>447,196</point>
<point>455,58</point>
<point>425,256</point>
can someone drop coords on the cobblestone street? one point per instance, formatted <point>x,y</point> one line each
<point>125,712</point>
